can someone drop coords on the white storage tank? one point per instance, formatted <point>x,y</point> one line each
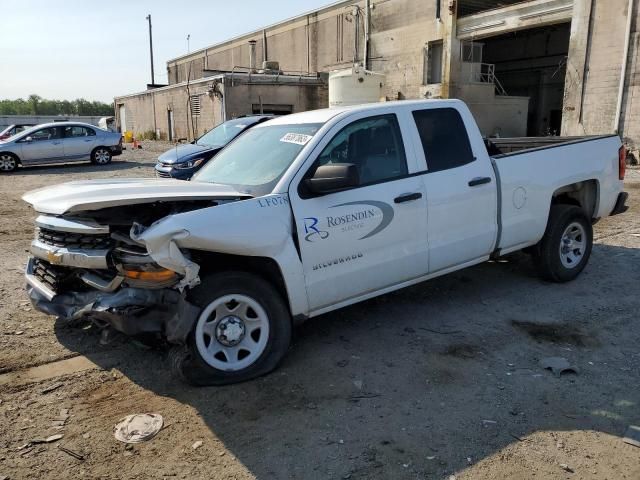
<point>354,86</point>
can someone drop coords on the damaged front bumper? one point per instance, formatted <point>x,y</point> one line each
<point>80,269</point>
<point>132,311</point>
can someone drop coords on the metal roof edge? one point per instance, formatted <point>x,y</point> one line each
<point>259,30</point>
<point>258,77</point>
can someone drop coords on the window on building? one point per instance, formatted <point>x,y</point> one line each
<point>373,145</point>
<point>195,105</point>
<point>270,108</point>
<point>471,52</point>
<point>444,138</point>
<point>432,63</point>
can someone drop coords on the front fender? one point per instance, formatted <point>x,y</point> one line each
<point>261,227</point>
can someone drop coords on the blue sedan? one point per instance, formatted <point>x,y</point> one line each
<point>183,161</point>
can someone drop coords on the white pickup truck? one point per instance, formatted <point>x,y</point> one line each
<point>308,213</point>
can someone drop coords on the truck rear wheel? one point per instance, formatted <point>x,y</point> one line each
<point>566,246</point>
<point>243,331</point>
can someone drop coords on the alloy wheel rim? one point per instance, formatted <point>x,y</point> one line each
<point>232,332</point>
<point>7,163</point>
<point>101,156</point>
<point>573,245</point>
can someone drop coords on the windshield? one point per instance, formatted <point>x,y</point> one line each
<point>225,132</point>
<point>256,161</point>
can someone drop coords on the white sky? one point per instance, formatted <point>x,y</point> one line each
<point>67,49</point>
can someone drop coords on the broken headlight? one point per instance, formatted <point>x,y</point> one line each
<point>139,270</point>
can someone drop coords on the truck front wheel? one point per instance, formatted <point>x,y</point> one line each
<point>566,246</point>
<point>243,331</point>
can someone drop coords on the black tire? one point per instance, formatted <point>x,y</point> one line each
<point>8,162</point>
<point>101,156</point>
<point>193,367</point>
<point>549,258</point>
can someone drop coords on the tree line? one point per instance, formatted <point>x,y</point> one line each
<point>36,105</point>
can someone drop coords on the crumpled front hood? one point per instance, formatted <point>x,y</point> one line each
<point>185,152</point>
<point>97,194</point>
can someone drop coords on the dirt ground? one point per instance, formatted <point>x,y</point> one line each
<point>440,379</point>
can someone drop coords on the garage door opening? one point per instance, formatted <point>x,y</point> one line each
<point>532,63</point>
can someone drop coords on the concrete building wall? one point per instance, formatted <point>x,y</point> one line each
<point>140,118</point>
<point>326,40</point>
<point>594,69</point>
<point>147,112</point>
<point>240,99</point>
<point>400,31</point>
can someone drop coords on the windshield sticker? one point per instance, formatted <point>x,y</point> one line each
<point>297,138</point>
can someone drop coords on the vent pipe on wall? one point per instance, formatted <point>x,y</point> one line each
<point>252,55</point>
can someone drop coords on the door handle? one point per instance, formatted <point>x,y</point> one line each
<point>56,143</point>
<point>407,197</point>
<point>88,140</point>
<point>479,181</point>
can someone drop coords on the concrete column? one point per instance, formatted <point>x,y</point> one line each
<point>577,68</point>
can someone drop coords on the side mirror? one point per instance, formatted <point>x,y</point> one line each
<point>332,178</point>
<point>28,139</point>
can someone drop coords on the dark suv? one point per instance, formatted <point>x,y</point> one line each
<point>183,161</point>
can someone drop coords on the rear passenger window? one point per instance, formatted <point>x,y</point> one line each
<point>373,145</point>
<point>77,131</point>
<point>444,138</point>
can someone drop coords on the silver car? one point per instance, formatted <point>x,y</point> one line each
<point>59,142</point>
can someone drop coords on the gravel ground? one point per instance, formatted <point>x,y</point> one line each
<point>439,379</point>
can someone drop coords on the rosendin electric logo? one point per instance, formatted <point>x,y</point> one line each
<point>350,221</point>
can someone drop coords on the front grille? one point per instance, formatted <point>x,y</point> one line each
<point>163,174</point>
<point>48,274</point>
<point>74,240</point>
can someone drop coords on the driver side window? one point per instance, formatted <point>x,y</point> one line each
<point>51,133</point>
<point>373,145</point>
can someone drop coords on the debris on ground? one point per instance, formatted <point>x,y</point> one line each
<point>35,441</point>
<point>566,468</point>
<point>558,365</point>
<point>51,388</point>
<point>632,436</point>
<point>71,453</point>
<point>197,445</point>
<point>138,428</point>
<point>60,421</point>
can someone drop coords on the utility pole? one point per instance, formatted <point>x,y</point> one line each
<point>153,80</point>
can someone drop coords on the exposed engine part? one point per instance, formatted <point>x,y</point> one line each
<point>104,285</point>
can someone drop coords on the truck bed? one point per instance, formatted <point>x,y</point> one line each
<point>532,171</point>
<point>506,146</point>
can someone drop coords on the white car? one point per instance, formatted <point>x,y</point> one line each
<point>59,142</point>
<point>308,213</point>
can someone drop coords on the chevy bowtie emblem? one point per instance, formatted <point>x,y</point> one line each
<point>54,257</point>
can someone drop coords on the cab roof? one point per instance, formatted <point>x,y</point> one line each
<point>326,114</point>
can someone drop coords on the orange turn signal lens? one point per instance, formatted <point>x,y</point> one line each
<point>157,276</point>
